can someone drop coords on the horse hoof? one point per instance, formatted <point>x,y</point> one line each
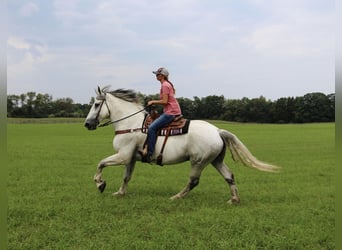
<point>234,201</point>
<point>119,194</point>
<point>102,187</point>
<point>175,197</point>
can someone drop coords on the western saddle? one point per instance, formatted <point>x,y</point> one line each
<point>178,126</point>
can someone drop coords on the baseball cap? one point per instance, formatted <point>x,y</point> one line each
<point>161,71</point>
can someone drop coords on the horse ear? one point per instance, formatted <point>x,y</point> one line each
<point>98,90</point>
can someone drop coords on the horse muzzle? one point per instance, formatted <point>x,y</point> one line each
<point>91,125</point>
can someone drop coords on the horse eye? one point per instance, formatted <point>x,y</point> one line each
<point>97,105</point>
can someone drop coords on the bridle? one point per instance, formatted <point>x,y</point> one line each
<point>98,113</point>
<point>111,122</point>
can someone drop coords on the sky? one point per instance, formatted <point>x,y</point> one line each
<point>234,48</point>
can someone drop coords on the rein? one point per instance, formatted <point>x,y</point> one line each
<point>111,122</point>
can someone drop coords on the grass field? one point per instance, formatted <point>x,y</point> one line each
<point>53,202</point>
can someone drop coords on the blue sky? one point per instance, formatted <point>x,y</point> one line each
<point>235,48</point>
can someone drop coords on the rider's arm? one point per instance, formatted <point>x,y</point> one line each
<point>163,101</point>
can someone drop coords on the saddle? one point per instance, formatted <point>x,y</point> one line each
<point>178,126</point>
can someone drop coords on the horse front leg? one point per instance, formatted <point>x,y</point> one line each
<point>128,175</point>
<point>100,183</point>
<point>113,160</point>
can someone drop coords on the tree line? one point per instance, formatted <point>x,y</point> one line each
<point>312,107</point>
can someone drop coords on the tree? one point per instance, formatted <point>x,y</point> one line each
<point>316,107</point>
<point>331,108</point>
<point>241,110</point>
<point>63,107</point>
<point>198,105</point>
<point>12,104</point>
<point>283,110</point>
<point>213,106</point>
<point>187,107</point>
<point>42,105</point>
<point>258,110</point>
<point>312,107</point>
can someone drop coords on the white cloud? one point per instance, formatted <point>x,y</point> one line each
<point>299,33</point>
<point>18,43</point>
<point>68,13</point>
<point>279,39</point>
<point>29,47</point>
<point>238,47</point>
<point>28,9</point>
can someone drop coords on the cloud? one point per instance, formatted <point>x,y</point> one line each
<point>18,43</point>
<point>27,47</point>
<point>294,32</point>
<point>294,28</point>
<point>68,13</point>
<point>28,9</point>
<point>238,47</point>
<point>279,39</point>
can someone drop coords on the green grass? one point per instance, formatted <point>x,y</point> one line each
<point>53,202</point>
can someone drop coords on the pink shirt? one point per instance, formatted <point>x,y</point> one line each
<point>172,107</point>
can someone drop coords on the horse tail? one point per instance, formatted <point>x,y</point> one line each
<point>240,152</point>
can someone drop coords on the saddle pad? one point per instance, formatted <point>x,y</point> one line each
<point>178,127</point>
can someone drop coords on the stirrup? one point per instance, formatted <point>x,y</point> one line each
<point>146,158</point>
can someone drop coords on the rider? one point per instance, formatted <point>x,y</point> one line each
<point>171,110</point>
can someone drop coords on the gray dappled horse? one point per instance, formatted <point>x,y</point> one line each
<point>203,144</point>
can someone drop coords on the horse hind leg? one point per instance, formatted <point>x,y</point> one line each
<point>193,182</point>
<point>223,169</point>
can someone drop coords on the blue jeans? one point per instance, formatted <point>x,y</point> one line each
<point>160,122</point>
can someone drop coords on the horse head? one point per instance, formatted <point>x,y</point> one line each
<point>97,113</point>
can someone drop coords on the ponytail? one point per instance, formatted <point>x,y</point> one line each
<point>173,87</point>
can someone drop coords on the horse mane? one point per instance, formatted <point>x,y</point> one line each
<point>124,94</point>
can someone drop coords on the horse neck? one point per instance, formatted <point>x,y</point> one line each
<point>120,108</point>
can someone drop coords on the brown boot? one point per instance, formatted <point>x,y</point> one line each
<point>145,157</point>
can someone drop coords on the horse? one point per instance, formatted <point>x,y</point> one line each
<point>204,143</point>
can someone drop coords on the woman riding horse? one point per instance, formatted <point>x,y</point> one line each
<point>171,110</point>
